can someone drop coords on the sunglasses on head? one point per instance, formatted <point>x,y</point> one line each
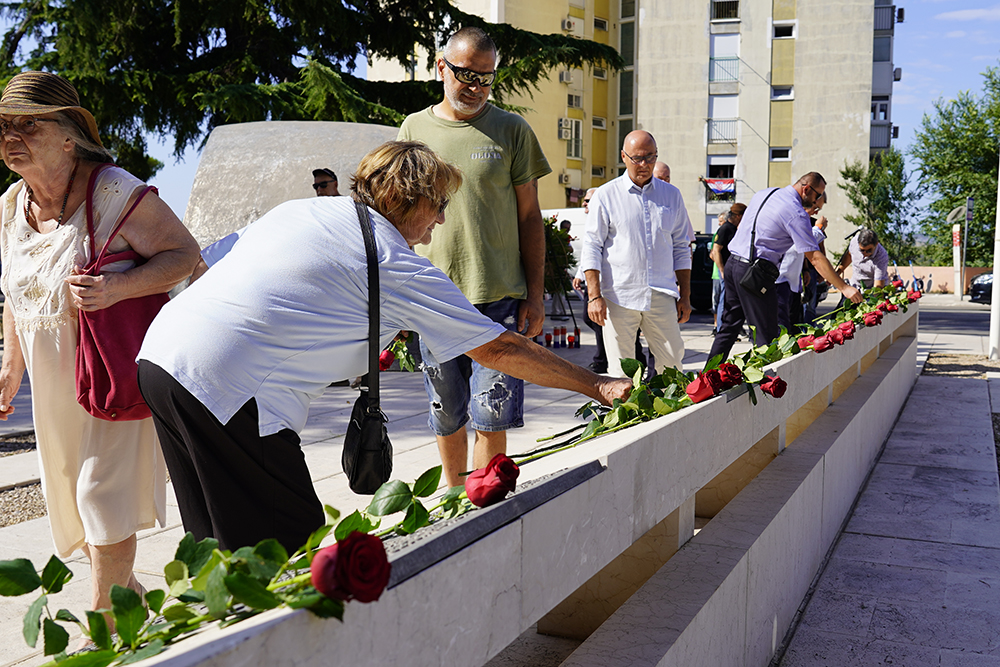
<point>469,77</point>
<point>322,184</point>
<point>23,124</point>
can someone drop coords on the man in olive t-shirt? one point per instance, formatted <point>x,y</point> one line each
<point>492,245</point>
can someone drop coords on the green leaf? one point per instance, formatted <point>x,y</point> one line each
<point>593,428</point>
<point>33,621</point>
<point>416,518</point>
<point>89,659</point>
<point>178,612</point>
<point>192,595</point>
<point>753,374</point>
<point>55,575</point>
<point>393,496</point>
<point>128,612</point>
<point>327,608</point>
<point>427,483</point>
<point>630,367</point>
<point>661,407</point>
<point>199,582</point>
<point>54,637</point>
<point>453,493</point>
<point>155,599</point>
<point>65,615</point>
<point>348,525</point>
<point>176,573</point>
<point>316,538</point>
<point>153,648</point>
<point>753,394</point>
<point>272,552</point>
<point>250,592</point>
<point>332,512</point>
<point>713,362</point>
<point>195,555</point>
<point>18,577</point>
<point>99,633</point>
<point>216,593</point>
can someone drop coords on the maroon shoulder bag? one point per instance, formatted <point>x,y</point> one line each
<point>109,339</point>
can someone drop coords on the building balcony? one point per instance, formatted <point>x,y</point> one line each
<point>881,135</point>
<point>725,10</point>
<point>723,130</point>
<point>885,17</point>
<point>724,69</point>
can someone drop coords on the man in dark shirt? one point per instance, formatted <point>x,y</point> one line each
<point>720,247</point>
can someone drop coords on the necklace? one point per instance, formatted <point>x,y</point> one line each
<point>62,211</point>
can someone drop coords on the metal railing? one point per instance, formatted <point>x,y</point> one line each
<point>724,69</point>
<point>885,17</point>
<point>723,131</point>
<point>725,9</point>
<point>880,136</point>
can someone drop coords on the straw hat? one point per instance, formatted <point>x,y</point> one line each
<point>31,93</point>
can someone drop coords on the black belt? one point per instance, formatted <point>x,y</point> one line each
<point>739,259</point>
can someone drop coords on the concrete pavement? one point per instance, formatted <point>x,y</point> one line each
<point>546,411</point>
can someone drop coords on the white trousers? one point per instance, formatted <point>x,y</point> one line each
<point>659,326</point>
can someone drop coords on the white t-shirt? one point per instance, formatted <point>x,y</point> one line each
<point>285,312</point>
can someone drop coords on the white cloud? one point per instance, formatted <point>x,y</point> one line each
<point>992,57</point>
<point>955,34</point>
<point>990,14</point>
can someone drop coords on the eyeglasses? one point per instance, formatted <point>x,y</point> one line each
<point>321,184</point>
<point>642,159</point>
<point>23,124</point>
<point>469,77</point>
<point>867,251</point>
<point>586,201</point>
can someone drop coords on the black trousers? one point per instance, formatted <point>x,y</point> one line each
<point>789,308</point>
<point>231,483</point>
<point>759,311</point>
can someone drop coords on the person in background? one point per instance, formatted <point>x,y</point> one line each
<point>869,258</point>
<point>637,259</point>
<point>720,254</point>
<point>810,276</point>
<point>325,183</point>
<point>102,480</point>
<point>493,248</point>
<point>790,279</point>
<point>661,171</point>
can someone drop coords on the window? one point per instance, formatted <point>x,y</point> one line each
<point>784,30</point>
<point>624,127</point>
<point>721,170</point>
<point>627,43</point>
<point>723,10</point>
<point>600,73</point>
<point>628,9</point>
<point>574,147</point>
<point>625,80</point>
<point>600,24</point>
<point>574,101</point>
<point>781,154</point>
<point>882,51</point>
<point>597,172</point>
<point>880,111</point>
<point>782,93</point>
<point>599,123</point>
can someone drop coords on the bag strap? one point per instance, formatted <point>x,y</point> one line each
<point>373,309</point>
<point>96,261</point>
<point>753,230</point>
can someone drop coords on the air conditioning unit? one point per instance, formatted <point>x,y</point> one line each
<point>895,131</point>
<point>564,179</point>
<point>599,123</point>
<point>900,15</point>
<point>897,74</point>
<point>566,77</point>
<point>565,133</point>
<point>565,123</point>
<point>569,24</point>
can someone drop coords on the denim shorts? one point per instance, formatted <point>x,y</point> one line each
<point>460,388</point>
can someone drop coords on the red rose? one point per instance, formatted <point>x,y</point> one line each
<point>883,307</point>
<point>490,485</point>
<point>913,296</point>
<point>873,319</point>
<point>848,329</point>
<point>891,307</point>
<point>714,378</point>
<point>731,375</point>
<point>836,336</point>
<point>774,386</point>
<point>805,341</point>
<point>356,568</point>
<point>897,283</point>
<point>700,389</point>
<point>822,344</point>
<point>385,359</point>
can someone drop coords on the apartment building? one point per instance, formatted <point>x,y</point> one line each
<point>740,94</point>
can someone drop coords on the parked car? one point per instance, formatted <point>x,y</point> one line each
<point>981,290</point>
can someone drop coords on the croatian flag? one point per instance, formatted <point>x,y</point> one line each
<point>721,186</point>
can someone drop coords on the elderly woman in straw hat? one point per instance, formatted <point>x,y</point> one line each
<point>102,480</point>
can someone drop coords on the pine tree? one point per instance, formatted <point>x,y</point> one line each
<point>182,67</point>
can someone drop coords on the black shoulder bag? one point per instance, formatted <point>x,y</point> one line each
<point>760,277</point>
<point>367,458</point>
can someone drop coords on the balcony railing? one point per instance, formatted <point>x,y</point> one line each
<point>885,17</point>
<point>723,131</point>
<point>880,136</point>
<point>725,9</point>
<point>724,69</point>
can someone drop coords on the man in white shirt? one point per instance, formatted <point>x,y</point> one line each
<point>637,259</point>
